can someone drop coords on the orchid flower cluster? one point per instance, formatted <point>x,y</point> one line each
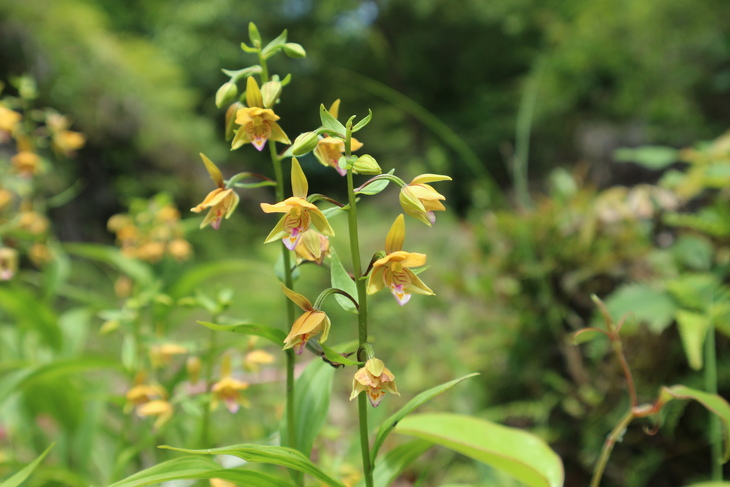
<point>304,229</point>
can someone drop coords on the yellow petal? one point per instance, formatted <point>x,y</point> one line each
<point>278,232</point>
<point>320,222</point>
<point>335,108</point>
<point>278,134</point>
<point>253,93</point>
<point>396,235</point>
<point>280,207</point>
<point>298,299</point>
<point>375,281</point>
<point>413,259</point>
<point>215,173</point>
<point>429,178</point>
<point>375,366</point>
<point>299,183</point>
<point>425,192</point>
<point>417,286</point>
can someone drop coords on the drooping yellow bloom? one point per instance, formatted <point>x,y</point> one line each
<point>228,389</point>
<point>257,124</point>
<point>309,324</point>
<point>8,119</point>
<point>221,202</point>
<point>375,379</point>
<point>420,200</point>
<point>299,213</point>
<point>148,399</point>
<point>64,141</point>
<point>159,408</point>
<point>330,149</point>
<point>393,269</point>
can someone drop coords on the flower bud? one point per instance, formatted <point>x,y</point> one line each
<point>304,143</point>
<point>294,50</point>
<point>366,164</point>
<point>271,91</point>
<point>226,94</point>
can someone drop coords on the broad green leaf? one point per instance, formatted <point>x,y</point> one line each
<point>140,272</point>
<point>387,426</point>
<point>312,393</point>
<point>693,331</point>
<point>712,402</point>
<point>644,303</point>
<point>342,280</point>
<point>199,274</point>
<point>649,156</point>
<point>331,123</point>
<point>25,377</point>
<point>695,290</point>
<point>198,468</point>
<point>273,334</point>
<point>694,251</point>
<point>377,186</point>
<point>25,472</point>
<point>396,461</point>
<point>275,455</point>
<point>30,313</point>
<point>523,455</point>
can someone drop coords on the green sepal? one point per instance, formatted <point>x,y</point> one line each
<point>362,123</point>
<point>253,35</point>
<point>245,48</point>
<point>274,45</point>
<point>240,74</point>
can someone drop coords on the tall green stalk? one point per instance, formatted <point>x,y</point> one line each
<point>362,316</point>
<point>715,428</point>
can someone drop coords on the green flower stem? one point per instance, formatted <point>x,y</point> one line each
<point>608,445</point>
<point>362,317</point>
<point>205,421</point>
<point>291,439</point>
<point>714,427</point>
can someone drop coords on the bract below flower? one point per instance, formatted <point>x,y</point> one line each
<point>420,200</point>
<point>375,379</point>
<point>393,269</point>
<point>299,213</point>
<point>308,325</point>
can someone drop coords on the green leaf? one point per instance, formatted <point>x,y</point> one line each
<point>331,123</point>
<point>30,313</point>
<point>712,402</point>
<point>377,186</point>
<point>275,44</point>
<point>523,455</point>
<point>198,468</point>
<point>695,290</point>
<point>276,455</point>
<point>25,472</point>
<point>362,123</point>
<point>693,331</point>
<point>387,426</point>
<point>694,251</point>
<point>645,303</point>
<point>650,156</point>
<point>396,461</point>
<point>312,394</point>
<point>342,280</point>
<point>140,272</point>
<point>273,334</point>
<point>710,484</point>
<point>334,356</point>
<point>240,74</point>
<point>199,274</point>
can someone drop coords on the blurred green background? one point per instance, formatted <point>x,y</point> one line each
<point>479,90</point>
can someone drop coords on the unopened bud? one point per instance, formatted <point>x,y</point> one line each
<point>271,91</point>
<point>305,143</point>
<point>294,50</point>
<point>226,94</point>
<point>366,164</point>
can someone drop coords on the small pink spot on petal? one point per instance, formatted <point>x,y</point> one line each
<point>259,143</point>
<point>232,406</point>
<point>216,223</point>
<point>431,216</point>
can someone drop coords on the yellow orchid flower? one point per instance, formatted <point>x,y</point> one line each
<point>420,200</point>
<point>160,408</point>
<point>228,389</point>
<point>299,212</point>
<point>257,124</point>
<point>220,202</point>
<point>393,269</point>
<point>8,119</point>
<point>307,325</point>
<point>375,379</point>
<point>8,263</point>
<point>330,149</point>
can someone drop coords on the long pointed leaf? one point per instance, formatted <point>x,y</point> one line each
<point>198,468</point>
<point>417,401</point>
<point>276,455</point>
<point>523,455</point>
<point>25,472</point>
<point>397,460</point>
<point>274,334</point>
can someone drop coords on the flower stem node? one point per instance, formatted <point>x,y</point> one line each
<point>375,379</point>
<point>393,271</point>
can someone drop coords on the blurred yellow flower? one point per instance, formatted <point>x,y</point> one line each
<point>8,263</point>
<point>299,212</point>
<point>159,408</point>
<point>26,163</point>
<point>375,379</point>
<point>393,269</point>
<point>228,389</point>
<point>8,119</point>
<point>309,324</point>
<point>255,358</point>
<point>420,200</point>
